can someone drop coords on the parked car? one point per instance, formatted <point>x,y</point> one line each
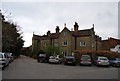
<point>55,59</point>
<point>115,61</point>
<point>42,58</point>
<point>101,61</point>
<point>10,57</point>
<point>4,60</point>
<point>85,60</point>
<point>69,60</point>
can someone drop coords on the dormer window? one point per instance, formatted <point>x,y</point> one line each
<point>65,33</point>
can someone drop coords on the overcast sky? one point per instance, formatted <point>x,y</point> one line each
<point>39,17</point>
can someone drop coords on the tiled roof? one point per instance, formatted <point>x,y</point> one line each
<point>36,37</point>
<point>79,33</point>
<point>82,33</point>
<point>54,35</point>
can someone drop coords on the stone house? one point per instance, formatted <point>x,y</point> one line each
<point>68,40</point>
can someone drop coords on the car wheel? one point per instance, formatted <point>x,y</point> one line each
<point>90,65</point>
<point>97,65</point>
<point>8,64</point>
<point>74,64</point>
<point>114,65</point>
<point>3,68</point>
<point>59,62</point>
<point>38,60</point>
<point>80,64</point>
<point>65,63</point>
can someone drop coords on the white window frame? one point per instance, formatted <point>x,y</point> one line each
<point>65,53</point>
<point>65,43</point>
<point>65,33</point>
<point>82,43</point>
<point>92,44</point>
<point>45,44</point>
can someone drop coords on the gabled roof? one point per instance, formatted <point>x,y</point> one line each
<point>65,28</point>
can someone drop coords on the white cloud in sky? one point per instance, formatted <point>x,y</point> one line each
<point>39,17</point>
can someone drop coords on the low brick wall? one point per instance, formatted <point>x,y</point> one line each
<point>93,54</point>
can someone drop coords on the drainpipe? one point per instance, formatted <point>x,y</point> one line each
<point>75,43</point>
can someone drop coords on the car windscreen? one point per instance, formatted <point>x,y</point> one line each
<point>1,56</point>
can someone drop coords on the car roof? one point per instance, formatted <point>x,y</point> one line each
<point>85,55</point>
<point>42,54</point>
<point>101,57</point>
<point>2,53</point>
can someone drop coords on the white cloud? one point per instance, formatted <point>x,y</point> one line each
<point>60,0</point>
<point>41,17</point>
<point>28,39</point>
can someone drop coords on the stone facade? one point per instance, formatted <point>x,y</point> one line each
<point>68,40</point>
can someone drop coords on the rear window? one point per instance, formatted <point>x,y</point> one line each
<point>103,59</point>
<point>42,55</point>
<point>1,56</point>
<point>70,57</point>
<point>85,57</point>
<point>9,54</point>
<point>53,57</point>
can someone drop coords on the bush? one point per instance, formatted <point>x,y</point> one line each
<point>52,50</point>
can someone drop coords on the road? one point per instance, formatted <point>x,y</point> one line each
<point>27,68</point>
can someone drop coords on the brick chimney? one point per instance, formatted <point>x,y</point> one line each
<point>76,27</point>
<point>57,29</point>
<point>48,33</point>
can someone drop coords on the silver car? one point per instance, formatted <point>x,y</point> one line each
<point>4,60</point>
<point>85,60</point>
<point>101,61</point>
<point>55,59</point>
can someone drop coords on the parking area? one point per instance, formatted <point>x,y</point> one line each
<point>27,68</point>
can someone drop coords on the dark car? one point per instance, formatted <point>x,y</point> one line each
<point>85,60</point>
<point>115,62</point>
<point>42,58</point>
<point>69,60</point>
